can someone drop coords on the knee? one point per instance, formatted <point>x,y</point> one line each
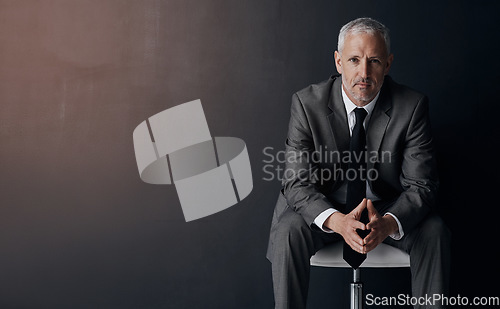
<point>434,231</point>
<point>292,231</point>
<point>290,227</point>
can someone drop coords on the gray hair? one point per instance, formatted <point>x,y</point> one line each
<point>364,25</point>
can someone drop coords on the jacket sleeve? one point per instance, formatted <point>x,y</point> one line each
<point>300,178</point>
<point>418,171</point>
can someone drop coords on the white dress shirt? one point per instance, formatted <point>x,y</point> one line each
<point>340,195</point>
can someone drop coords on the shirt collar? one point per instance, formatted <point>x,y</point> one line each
<point>350,106</point>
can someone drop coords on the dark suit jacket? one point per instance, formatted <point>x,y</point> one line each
<point>399,147</point>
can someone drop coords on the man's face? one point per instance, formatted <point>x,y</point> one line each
<point>363,64</point>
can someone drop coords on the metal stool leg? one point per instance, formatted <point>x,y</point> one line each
<point>356,291</point>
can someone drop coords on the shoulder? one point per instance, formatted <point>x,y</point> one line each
<point>406,103</point>
<point>400,93</point>
<point>316,94</point>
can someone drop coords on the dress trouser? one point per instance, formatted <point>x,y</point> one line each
<point>428,245</point>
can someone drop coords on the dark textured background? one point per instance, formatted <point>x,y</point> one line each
<point>79,229</point>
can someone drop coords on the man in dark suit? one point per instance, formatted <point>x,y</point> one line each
<point>401,179</point>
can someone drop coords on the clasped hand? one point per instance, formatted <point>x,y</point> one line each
<point>346,225</point>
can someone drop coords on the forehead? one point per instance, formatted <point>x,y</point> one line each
<point>364,43</point>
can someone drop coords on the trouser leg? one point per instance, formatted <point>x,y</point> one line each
<point>293,245</point>
<point>429,248</point>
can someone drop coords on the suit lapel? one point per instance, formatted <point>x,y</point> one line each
<point>338,117</point>
<point>378,122</point>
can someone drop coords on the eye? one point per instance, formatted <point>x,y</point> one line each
<point>375,61</point>
<point>353,60</point>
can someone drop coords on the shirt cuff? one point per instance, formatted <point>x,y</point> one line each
<point>397,235</point>
<point>321,218</point>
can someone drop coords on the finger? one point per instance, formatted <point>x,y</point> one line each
<point>371,242</point>
<point>357,225</point>
<point>372,211</point>
<point>357,247</point>
<point>361,206</point>
<point>373,224</point>
<point>353,238</point>
<point>359,209</point>
<point>354,241</point>
<point>371,245</point>
<point>370,237</point>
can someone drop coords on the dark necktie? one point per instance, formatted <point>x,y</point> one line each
<point>356,185</point>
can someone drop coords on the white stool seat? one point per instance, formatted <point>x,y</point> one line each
<point>382,256</point>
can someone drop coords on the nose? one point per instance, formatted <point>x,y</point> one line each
<point>364,68</point>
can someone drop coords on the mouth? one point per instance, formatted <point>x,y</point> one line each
<point>363,82</point>
<point>363,85</point>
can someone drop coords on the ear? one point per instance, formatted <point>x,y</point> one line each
<point>388,64</point>
<point>338,62</point>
